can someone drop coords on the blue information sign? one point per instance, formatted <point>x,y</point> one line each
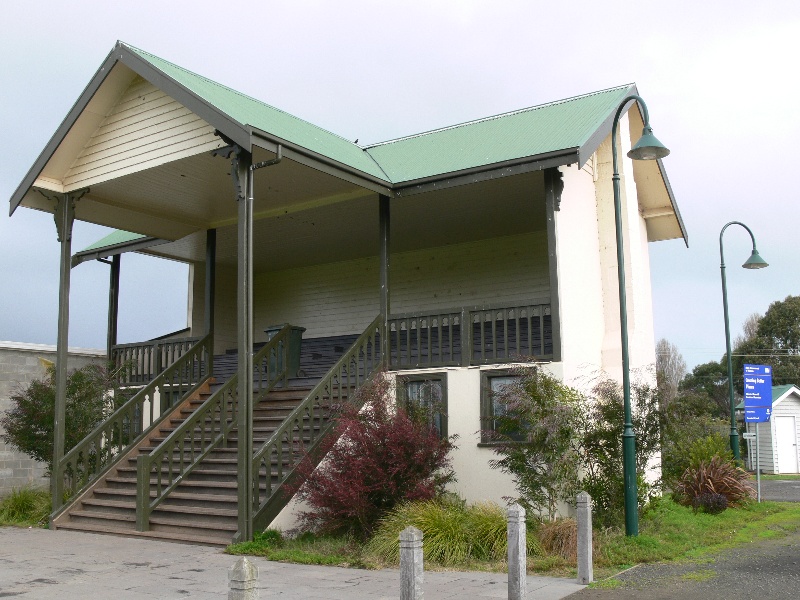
<point>757,393</point>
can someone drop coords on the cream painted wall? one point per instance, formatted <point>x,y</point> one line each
<point>580,277</point>
<point>588,281</point>
<point>342,298</point>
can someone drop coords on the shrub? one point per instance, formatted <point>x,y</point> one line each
<point>28,424</point>
<point>25,506</point>
<point>535,436</point>
<point>700,485</point>
<point>602,447</point>
<point>555,441</point>
<point>383,457</point>
<point>688,439</point>
<point>710,503</point>
<point>560,537</point>
<point>453,533</point>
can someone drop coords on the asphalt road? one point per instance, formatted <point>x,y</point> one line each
<point>768,569</point>
<point>783,490</point>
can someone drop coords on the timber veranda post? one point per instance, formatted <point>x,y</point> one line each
<point>64,217</point>
<point>245,328</point>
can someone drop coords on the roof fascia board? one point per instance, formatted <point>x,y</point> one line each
<point>62,131</point>
<point>485,173</point>
<point>132,246</point>
<point>672,201</point>
<point>593,142</point>
<point>792,391</point>
<point>319,162</point>
<point>219,120</point>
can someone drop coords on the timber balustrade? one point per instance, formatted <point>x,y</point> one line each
<point>470,336</point>
<point>129,423</point>
<point>275,463</point>
<point>140,362</point>
<point>206,429</point>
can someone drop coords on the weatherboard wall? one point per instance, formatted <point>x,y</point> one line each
<point>343,298</point>
<point>145,128</point>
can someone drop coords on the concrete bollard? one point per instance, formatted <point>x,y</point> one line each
<point>517,553</point>
<point>243,580</point>
<point>412,568</point>
<point>584,518</point>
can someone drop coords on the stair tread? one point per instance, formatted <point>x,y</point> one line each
<point>161,535</point>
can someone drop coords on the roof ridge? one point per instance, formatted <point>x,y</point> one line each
<point>238,93</point>
<point>498,116</point>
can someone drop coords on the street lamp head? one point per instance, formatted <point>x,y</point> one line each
<point>755,261</point>
<point>648,147</point>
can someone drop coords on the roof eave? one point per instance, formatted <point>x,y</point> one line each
<point>672,201</point>
<point>516,166</point>
<point>114,249</point>
<point>312,159</point>
<point>62,131</point>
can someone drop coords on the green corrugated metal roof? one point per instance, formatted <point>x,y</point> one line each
<point>777,392</point>
<point>780,390</point>
<point>530,132</point>
<point>548,128</point>
<point>249,111</point>
<point>114,239</point>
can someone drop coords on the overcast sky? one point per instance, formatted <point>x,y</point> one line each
<point>720,80</point>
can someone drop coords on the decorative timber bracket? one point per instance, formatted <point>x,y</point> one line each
<point>554,183</point>
<point>232,152</point>
<point>64,233</point>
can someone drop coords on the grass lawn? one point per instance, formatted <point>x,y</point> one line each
<point>667,531</point>
<point>783,477</point>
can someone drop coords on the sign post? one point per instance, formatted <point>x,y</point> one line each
<point>757,405</point>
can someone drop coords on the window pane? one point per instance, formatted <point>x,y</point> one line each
<point>426,395</point>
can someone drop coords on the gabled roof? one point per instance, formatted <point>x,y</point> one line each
<point>562,127</point>
<point>558,133</point>
<point>252,113</point>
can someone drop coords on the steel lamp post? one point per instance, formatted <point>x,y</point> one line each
<point>754,262</point>
<point>647,148</point>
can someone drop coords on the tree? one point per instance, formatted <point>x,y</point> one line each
<point>749,329</point>
<point>776,343</point>
<point>28,424</point>
<point>705,390</point>
<point>670,370</point>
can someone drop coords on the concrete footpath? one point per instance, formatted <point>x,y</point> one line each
<point>43,564</point>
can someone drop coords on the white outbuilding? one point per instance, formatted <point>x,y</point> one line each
<point>778,438</point>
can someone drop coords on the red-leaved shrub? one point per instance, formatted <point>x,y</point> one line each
<point>383,456</point>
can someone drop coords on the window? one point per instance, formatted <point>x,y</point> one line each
<point>493,384</point>
<point>428,394</point>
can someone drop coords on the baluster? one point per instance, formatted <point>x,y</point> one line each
<point>541,328</point>
<point>506,350</point>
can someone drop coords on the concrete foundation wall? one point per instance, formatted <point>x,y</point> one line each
<point>19,365</point>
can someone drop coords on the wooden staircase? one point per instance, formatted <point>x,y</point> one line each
<point>200,506</point>
<point>203,507</point>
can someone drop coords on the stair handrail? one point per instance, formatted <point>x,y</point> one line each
<point>360,362</point>
<point>270,367</point>
<point>118,433</point>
